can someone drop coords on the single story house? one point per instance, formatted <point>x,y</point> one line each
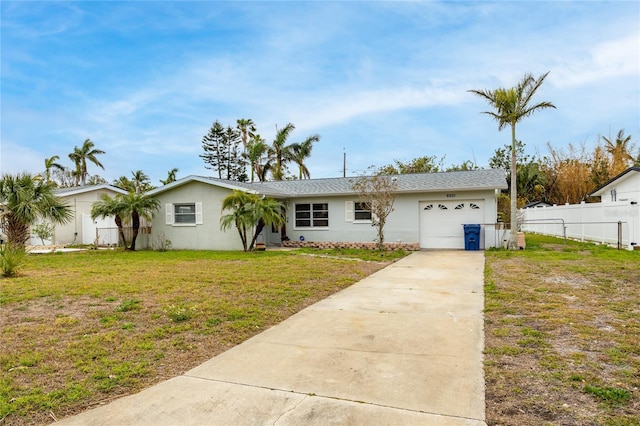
<point>624,187</point>
<point>82,229</point>
<point>430,210</point>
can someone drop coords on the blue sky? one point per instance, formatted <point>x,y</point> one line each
<point>378,80</point>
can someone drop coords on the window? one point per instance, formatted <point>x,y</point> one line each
<point>183,214</point>
<point>312,215</point>
<point>362,212</point>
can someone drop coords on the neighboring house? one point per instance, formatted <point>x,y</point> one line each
<point>82,229</point>
<point>430,210</point>
<point>536,205</point>
<point>624,187</point>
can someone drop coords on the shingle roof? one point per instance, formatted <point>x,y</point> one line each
<point>74,190</point>
<point>407,183</point>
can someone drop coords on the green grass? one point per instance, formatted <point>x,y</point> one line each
<point>562,328</point>
<point>80,328</point>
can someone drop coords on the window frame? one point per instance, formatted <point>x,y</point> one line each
<point>314,214</point>
<point>360,208</point>
<point>172,213</point>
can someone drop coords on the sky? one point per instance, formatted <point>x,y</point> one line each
<point>379,81</point>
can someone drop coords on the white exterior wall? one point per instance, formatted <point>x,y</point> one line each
<point>205,236</point>
<point>403,224</point>
<point>626,189</point>
<point>80,204</point>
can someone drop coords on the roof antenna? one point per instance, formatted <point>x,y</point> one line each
<point>344,163</point>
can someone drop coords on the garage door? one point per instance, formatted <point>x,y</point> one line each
<point>441,222</point>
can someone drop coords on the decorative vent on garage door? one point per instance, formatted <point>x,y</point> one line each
<point>442,207</point>
<point>429,207</point>
<point>474,206</point>
<point>460,206</point>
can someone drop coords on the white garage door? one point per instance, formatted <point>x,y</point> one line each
<point>441,222</point>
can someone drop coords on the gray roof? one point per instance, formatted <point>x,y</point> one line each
<point>407,183</point>
<point>74,190</point>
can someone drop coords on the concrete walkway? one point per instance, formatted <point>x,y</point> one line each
<point>402,346</point>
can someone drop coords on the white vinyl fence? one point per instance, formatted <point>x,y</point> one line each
<point>607,223</point>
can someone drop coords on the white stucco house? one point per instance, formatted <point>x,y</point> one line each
<point>624,187</point>
<point>430,210</point>
<point>82,229</point>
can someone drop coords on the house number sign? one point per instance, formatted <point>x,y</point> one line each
<point>451,195</point>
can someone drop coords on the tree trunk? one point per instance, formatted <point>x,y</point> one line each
<point>513,238</point>
<point>135,224</point>
<point>123,239</point>
<point>258,230</point>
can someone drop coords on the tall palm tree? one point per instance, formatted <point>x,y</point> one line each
<point>620,151</point>
<point>80,156</point>
<point>50,163</point>
<point>141,182</point>
<point>25,199</point>
<point>171,176</point>
<point>300,152</point>
<point>280,153</point>
<point>256,149</point>
<point>247,130</point>
<point>125,183</point>
<point>138,206</point>
<point>109,206</point>
<point>511,106</point>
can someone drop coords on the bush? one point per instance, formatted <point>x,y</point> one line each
<point>12,258</point>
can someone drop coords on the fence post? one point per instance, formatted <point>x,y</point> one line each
<point>619,235</point>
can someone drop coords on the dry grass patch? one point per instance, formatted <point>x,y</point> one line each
<point>562,335</point>
<point>78,329</point>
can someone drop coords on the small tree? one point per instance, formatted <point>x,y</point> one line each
<point>43,230</point>
<point>377,193</point>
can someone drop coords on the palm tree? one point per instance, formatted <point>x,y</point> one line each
<point>620,151</point>
<point>171,176</point>
<point>511,106</point>
<point>125,183</point>
<point>300,152</point>
<point>239,202</point>
<point>250,213</point>
<point>138,205</point>
<point>280,153</point>
<point>108,207</point>
<point>25,199</point>
<point>141,182</point>
<point>247,128</point>
<point>256,148</point>
<point>50,163</point>
<point>80,156</point>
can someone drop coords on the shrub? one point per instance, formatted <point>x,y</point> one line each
<point>12,258</point>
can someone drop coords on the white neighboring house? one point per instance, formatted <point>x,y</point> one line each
<point>624,187</point>
<point>82,229</point>
<point>430,210</point>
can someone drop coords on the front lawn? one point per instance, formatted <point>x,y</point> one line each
<point>562,335</point>
<point>79,329</point>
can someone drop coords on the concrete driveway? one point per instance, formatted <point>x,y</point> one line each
<point>402,346</point>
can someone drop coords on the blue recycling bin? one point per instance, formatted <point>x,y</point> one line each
<point>471,237</point>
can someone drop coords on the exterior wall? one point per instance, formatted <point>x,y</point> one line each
<point>626,189</point>
<point>403,224</point>
<point>596,222</point>
<point>80,204</point>
<point>205,236</point>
